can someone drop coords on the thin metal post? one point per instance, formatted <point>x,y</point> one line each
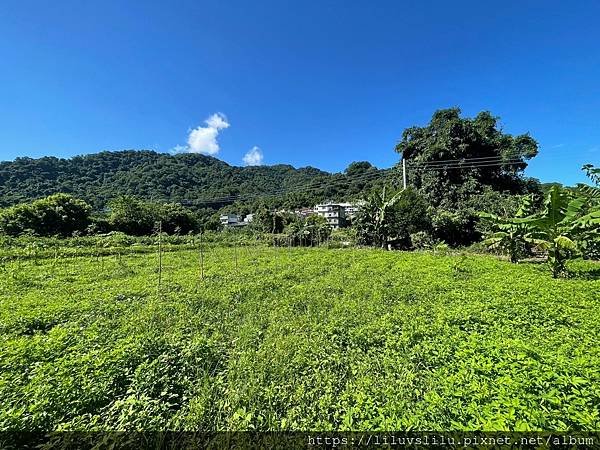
<point>235,254</point>
<point>159,255</point>
<point>201,258</point>
<point>404,172</point>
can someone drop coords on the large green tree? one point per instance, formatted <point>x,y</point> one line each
<point>459,163</point>
<point>431,151</point>
<point>134,216</point>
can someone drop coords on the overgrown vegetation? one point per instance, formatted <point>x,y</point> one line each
<point>56,215</point>
<point>492,171</point>
<point>388,219</point>
<point>296,339</point>
<point>567,226</point>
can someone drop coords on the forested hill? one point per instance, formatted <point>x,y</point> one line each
<point>188,178</point>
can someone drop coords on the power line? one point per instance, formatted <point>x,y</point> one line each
<point>321,185</point>
<point>470,166</point>
<point>512,153</point>
<point>506,156</point>
<point>465,161</point>
<point>315,185</point>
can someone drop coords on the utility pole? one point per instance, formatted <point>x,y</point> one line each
<point>404,173</point>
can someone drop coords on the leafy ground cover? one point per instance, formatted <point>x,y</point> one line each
<point>302,339</point>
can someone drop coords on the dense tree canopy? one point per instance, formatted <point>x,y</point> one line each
<point>59,214</point>
<point>500,157</point>
<point>359,167</point>
<point>465,165</point>
<point>138,217</point>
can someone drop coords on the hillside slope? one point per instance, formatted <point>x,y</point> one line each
<point>189,178</point>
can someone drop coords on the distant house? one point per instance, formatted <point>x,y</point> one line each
<point>305,212</point>
<point>230,220</point>
<point>235,220</point>
<point>334,213</point>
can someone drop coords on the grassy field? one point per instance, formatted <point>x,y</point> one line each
<point>297,339</point>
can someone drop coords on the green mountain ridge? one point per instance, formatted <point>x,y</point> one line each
<point>184,178</point>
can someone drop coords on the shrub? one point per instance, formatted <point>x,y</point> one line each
<point>456,228</point>
<point>422,240</point>
<point>390,219</point>
<point>138,217</point>
<point>58,214</point>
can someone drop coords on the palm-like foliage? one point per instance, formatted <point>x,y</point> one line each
<point>593,173</point>
<point>556,229</point>
<point>310,232</point>
<point>509,237</point>
<point>376,219</point>
<point>565,226</point>
<point>590,243</point>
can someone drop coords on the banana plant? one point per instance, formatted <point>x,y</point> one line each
<point>565,226</point>
<point>375,219</point>
<point>588,223</point>
<point>592,192</point>
<point>557,228</point>
<point>509,237</point>
<point>382,206</point>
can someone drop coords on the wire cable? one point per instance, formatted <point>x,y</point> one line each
<point>471,166</point>
<point>505,156</point>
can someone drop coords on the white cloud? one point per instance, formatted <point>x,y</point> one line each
<point>204,139</point>
<point>217,121</point>
<point>254,157</point>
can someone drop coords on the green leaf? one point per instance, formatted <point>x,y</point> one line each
<point>574,208</point>
<point>565,243</point>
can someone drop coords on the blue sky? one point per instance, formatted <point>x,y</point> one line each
<point>319,83</point>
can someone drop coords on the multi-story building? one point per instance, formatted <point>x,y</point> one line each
<point>334,213</point>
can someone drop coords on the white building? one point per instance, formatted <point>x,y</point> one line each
<point>230,220</point>
<point>305,212</point>
<point>334,213</point>
<point>338,214</point>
